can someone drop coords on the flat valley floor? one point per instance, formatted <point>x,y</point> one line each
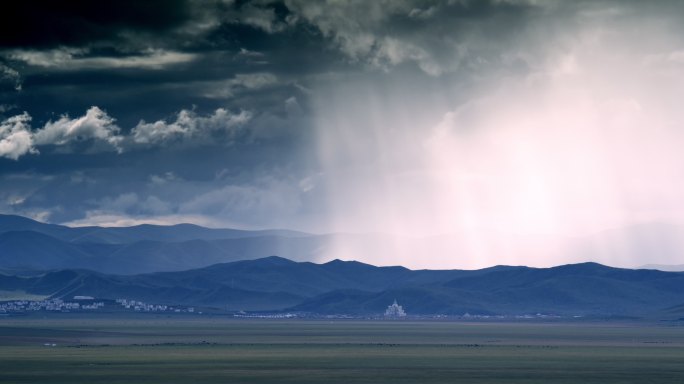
<point>151,349</point>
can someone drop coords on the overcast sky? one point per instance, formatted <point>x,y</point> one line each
<point>559,118</point>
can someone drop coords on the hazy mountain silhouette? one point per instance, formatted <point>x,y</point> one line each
<point>226,268</point>
<point>28,245</point>
<point>124,235</point>
<point>347,287</point>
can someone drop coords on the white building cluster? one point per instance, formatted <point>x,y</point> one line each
<point>140,306</point>
<point>87,304</point>
<point>144,307</point>
<point>57,305</point>
<point>395,310</point>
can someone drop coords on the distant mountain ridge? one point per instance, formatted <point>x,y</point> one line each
<point>28,245</point>
<point>347,287</point>
<point>155,248</point>
<point>232,269</point>
<point>125,235</point>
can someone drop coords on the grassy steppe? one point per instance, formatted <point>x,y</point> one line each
<point>184,350</point>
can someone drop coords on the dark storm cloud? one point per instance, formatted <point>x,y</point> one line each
<point>49,24</point>
<point>186,46</point>
<point>207,98</point>
<point>437,36</point>
<point>151,60</point>
<point>148,109</point>
<point>194,55</point>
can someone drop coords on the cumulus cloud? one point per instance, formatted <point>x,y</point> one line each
<point>18,138</point>
<point>11,76</point>
<point>241,81</point>
<point>222,124</point>
<point>98,130</point>
<point>96,124</point>
<point>15,137</point>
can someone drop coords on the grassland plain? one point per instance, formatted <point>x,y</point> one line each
<point>149,349</point>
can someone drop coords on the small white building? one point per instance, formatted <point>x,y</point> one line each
<point>395,310</point>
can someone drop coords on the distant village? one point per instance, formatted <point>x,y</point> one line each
<point>90,304</point>
<point>85,303</point>
<point>56,305</point>
<point>139,306</point>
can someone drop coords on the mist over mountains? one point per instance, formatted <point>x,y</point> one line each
<point>236,270</point>
<point>26,244</point>
<point>30,245</point>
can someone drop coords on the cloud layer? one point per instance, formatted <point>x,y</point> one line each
<point>476,122</point>
<point>188,126</point>
<point>98,131</point>
<point>15,137</point>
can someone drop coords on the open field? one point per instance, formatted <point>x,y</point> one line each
<point>148,349</point>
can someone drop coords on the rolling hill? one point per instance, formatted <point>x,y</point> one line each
<point>340,287</point>
<point>229,269</point>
